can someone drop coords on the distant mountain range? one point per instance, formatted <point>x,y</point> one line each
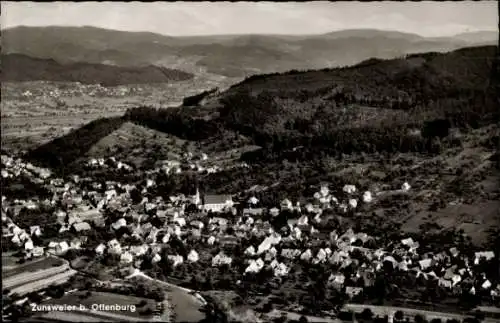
<point>18,67</point>
<point>227,55</point>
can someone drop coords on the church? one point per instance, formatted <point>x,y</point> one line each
<point>213,203</point>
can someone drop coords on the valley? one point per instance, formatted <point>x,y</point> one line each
<point>253,190</point>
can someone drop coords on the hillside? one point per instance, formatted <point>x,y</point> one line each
<point>358,125</point>
<point>375,106</point>
<point>20,68</point>
<point>228,55</point>
<point>374,94</point>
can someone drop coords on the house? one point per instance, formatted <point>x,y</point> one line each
<point>253,267</point>
<point>114,247</point>
<point>193,256</point>
<point>349,189</point>
<point>139,250</point>
<point>425,263</point>
<point>175,259</point>
<point>61,248</point>
<point>81,226</point>
<point>336,281</point>
<point>126,258</point>
<point>253,200</point>
<point>274,211</point>
<point>37,252</point>
<point>286,204</point>
<point>253,211</point>
<point>75,244</point>
<point>221,259</point>
<point>119,224</point>
<point>219,221</point>
<point>367,197</point>
<point>35,230</point>
<point>211,240</point>
<point>280,270</point>
<point>268,243</point>
<point>290,253</point>
<point>306,256</point>
<point>353,291</point>
<point>487,255</point>
<point>28,245</point>
<point>156,258</point>
<point>250,251</point>
<point>217,203</point>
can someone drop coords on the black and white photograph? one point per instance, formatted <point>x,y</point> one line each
<point>220,162</point>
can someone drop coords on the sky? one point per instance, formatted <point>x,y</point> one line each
<point>431,19</point>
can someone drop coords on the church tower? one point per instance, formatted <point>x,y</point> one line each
<point>196,198</point>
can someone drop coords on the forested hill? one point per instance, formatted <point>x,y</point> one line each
<point>375,97</point>
<point>19,68</point>
<point>406,104</point>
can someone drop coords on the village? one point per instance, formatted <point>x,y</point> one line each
<point>178,239</point>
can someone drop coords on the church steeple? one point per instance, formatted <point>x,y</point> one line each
<point>197,199</point>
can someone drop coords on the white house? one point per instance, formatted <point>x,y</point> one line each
<point>100,249</point>
<point>37,252</point>
<point>176,259</point>
<point>221,259</point>
<point>349,189</point>
<point>119,224</point>
<point>274,211</point>
<point>81,226</point>
<point>156,258</point>
<point>211,240</point>
<point>126,258</point>
<point>61,248</point>
<point>217,203</point>
<point>193,256</point>
<point>114,247</point>
<point>35,230</point>
<point>253,200</point>
<point>367,197</point>
<point>250,251</point>
<point>28,245</point>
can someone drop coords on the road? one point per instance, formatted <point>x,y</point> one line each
<point>409,312</point>
<point>37,283</point>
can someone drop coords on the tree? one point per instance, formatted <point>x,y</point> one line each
<point>399,316</point>
<point>419,318</point>
<point>303,319</point>
<point>367,314</point>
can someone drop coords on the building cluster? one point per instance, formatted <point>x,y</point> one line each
<point>80,89</point>
<point>83,204</point>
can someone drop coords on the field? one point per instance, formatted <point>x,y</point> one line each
<point>31,266</point>
<point>185,307</point>
<point>37,112</point>
<point>79,298</point>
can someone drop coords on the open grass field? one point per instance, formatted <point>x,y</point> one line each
<point>31,266</point>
